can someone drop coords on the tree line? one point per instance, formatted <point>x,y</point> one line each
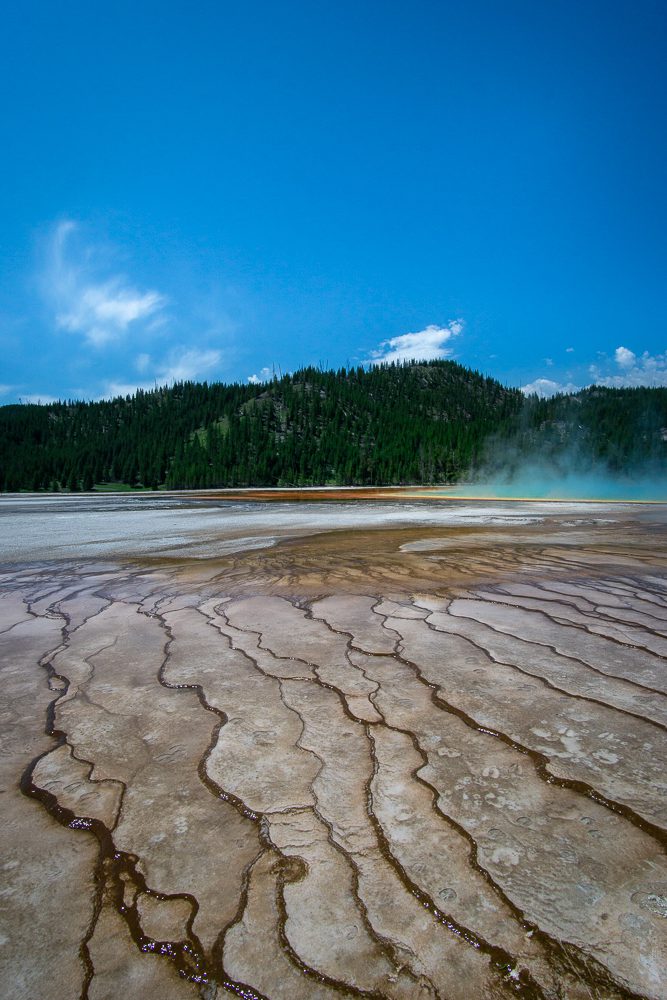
<point>428,422</point>
<point>620,432</point>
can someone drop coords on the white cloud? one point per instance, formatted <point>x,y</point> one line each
<point>636,370</point>
<point>39,397</point>
<point>104,312</point>
<point>265,375</point>
<point>545,387</point>
<point>4,389</point>
<point>624,369</point>
<point>100,310</point>
<point>183,365</point>
<point>188,365</point>
<point>113,389</point>
<point>624,357</point>
<point>569,350</point>
<point>424,345</point>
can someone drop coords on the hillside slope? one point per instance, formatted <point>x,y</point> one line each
<point>431,422</point>
<point>391,424</point>
<point>617,432</point>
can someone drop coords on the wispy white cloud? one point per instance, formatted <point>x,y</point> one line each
<point>546,387</point>
<point>425,345</point>
<point>188,364</point>
<point>113,389</point>
<point>265,375</point>
<point>635,370</point>
<point>183,365</point>
<point>101,309</point>
<point>38,397</point>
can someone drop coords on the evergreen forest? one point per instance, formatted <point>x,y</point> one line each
<point>418,423</point>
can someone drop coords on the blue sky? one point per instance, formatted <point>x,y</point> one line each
<point>216,190</point>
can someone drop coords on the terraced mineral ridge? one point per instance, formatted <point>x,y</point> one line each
<point>386,748</point>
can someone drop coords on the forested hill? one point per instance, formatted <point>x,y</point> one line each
<point>389,424</point>
<point>622,432</point>
<point>430,422</point>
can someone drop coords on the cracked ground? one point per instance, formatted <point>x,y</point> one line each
<point>380,762</point>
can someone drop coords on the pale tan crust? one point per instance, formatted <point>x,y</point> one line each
<point>403,762</point>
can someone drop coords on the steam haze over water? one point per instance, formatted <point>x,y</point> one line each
<point>547,482</point>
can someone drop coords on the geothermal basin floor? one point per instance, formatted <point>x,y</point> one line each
<point>308,752</point>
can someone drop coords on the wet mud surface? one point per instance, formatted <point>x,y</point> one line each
<point>407,761</point>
